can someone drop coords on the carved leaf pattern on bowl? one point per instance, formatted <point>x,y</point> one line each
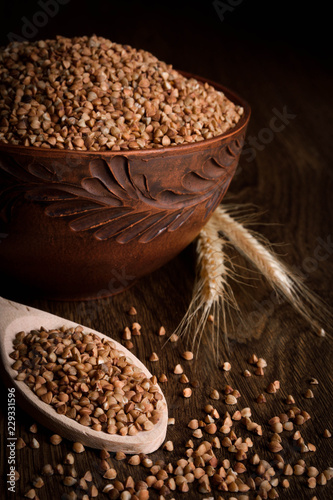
<point>113,202</point>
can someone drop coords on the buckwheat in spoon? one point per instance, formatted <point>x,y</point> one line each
<point>79,382</point>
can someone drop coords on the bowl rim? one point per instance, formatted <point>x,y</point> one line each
<point>181,148</point>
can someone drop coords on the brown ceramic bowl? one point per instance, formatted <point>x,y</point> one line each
<point>80,225</point>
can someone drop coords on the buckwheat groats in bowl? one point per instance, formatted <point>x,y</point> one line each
<point>111,162</point>
<point>88,93</point>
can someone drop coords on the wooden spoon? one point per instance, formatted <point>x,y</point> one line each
<point>15,317</point>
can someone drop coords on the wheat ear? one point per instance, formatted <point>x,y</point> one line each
<point>283,281</point>
<point>212,294</point>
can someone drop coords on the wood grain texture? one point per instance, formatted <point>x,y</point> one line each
<point>289,179</point>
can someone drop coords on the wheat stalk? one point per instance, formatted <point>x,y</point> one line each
<point>212,295</point>
<point>282,279</point>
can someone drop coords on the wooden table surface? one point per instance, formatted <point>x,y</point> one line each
<point>286,172</point>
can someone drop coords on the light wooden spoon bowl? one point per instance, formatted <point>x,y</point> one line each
<point>15,317</point>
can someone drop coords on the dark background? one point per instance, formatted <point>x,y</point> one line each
<point>251,40</point>
<point>172,30</point>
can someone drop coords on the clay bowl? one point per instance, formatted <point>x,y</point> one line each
<point>81,225</point>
